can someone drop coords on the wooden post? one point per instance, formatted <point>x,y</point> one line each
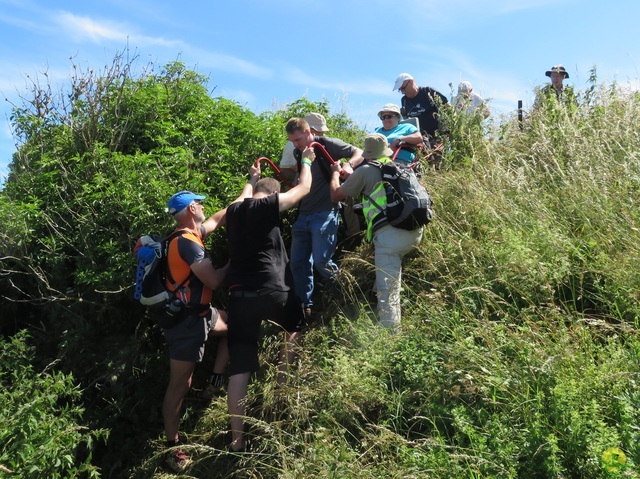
<point>520,114</point>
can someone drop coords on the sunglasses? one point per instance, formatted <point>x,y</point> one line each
<point>386,117</point>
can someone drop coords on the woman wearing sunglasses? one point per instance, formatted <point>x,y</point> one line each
<point>400,135</point>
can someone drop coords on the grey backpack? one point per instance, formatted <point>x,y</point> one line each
<point>409,205</point>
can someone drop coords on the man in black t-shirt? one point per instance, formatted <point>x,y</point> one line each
<point>259,283</point>
<point>420,102</point>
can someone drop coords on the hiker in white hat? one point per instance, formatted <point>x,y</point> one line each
<point>469,102</point>
<point>420,102</point>
<point>400,135</point>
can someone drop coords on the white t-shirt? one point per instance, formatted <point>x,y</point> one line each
<point>471,104</point>
<point>287,160</point>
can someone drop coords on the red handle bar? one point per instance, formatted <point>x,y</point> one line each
<point>324,150</point>
<point>413,163</point>
<point>326,154</point>
<point>276,169</point>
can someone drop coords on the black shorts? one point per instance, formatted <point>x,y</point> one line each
<point>187,338</point>
<point>245,315</point>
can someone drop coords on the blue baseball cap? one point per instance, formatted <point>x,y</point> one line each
<point>181,200</point>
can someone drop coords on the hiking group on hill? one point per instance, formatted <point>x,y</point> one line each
<point>263,284</point>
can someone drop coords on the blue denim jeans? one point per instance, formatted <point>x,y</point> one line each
<point>313,242</point>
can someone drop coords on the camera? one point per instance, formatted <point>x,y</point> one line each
<point>173,307</point>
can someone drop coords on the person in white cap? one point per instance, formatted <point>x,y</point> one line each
<point>420,102</point>
<point>390,243</point>
<point>556,90</point>
<point>469,102</point>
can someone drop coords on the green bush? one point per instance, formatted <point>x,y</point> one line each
<point>94,170</point>
<point>41,421</point>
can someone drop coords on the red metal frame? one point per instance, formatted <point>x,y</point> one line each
<point>276,169</point>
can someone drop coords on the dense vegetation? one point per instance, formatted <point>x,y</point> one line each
<point>519,351</point>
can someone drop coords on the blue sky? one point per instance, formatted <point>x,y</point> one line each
<point>266,53</point>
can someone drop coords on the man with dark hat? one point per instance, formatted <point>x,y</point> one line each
<point>556,90</point>
<point>557,75</point>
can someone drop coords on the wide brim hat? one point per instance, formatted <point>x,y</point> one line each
<point>376,146</point>
<point>390,108</point>
<point>557,69</point>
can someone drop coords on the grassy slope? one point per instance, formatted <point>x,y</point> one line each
<point>519,353</point>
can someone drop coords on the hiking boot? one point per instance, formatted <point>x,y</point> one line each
<point>215,387</point>
<point>177,460</point>
<point>218,380</point>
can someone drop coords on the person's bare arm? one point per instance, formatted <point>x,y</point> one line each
<point>291,198</point>
<point>219,218</point>
<point>334,185</point>
<point>211,277</point>
<point>354,161</point>
<point>215,220</point>
<point>413,139</point>
<point>254,176</point>
<point>349,166</point>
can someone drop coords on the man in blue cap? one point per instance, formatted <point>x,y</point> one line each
<point>193,278</point>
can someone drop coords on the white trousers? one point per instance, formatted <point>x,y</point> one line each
<point>391,244</point>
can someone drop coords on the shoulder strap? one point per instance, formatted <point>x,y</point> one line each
<point>377,164</point>
<point>380,208</point>
<point>165,259</point>
<point>324,164</point>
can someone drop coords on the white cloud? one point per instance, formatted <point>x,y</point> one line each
<point>221,61</point>
<point>368,86</point>
<point>243,97</point>
<point>98,31</point>
<point>83,28</point>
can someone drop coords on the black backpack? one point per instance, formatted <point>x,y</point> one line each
<point>409,205</point>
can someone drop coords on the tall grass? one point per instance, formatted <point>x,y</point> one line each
<point>519,351</point>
